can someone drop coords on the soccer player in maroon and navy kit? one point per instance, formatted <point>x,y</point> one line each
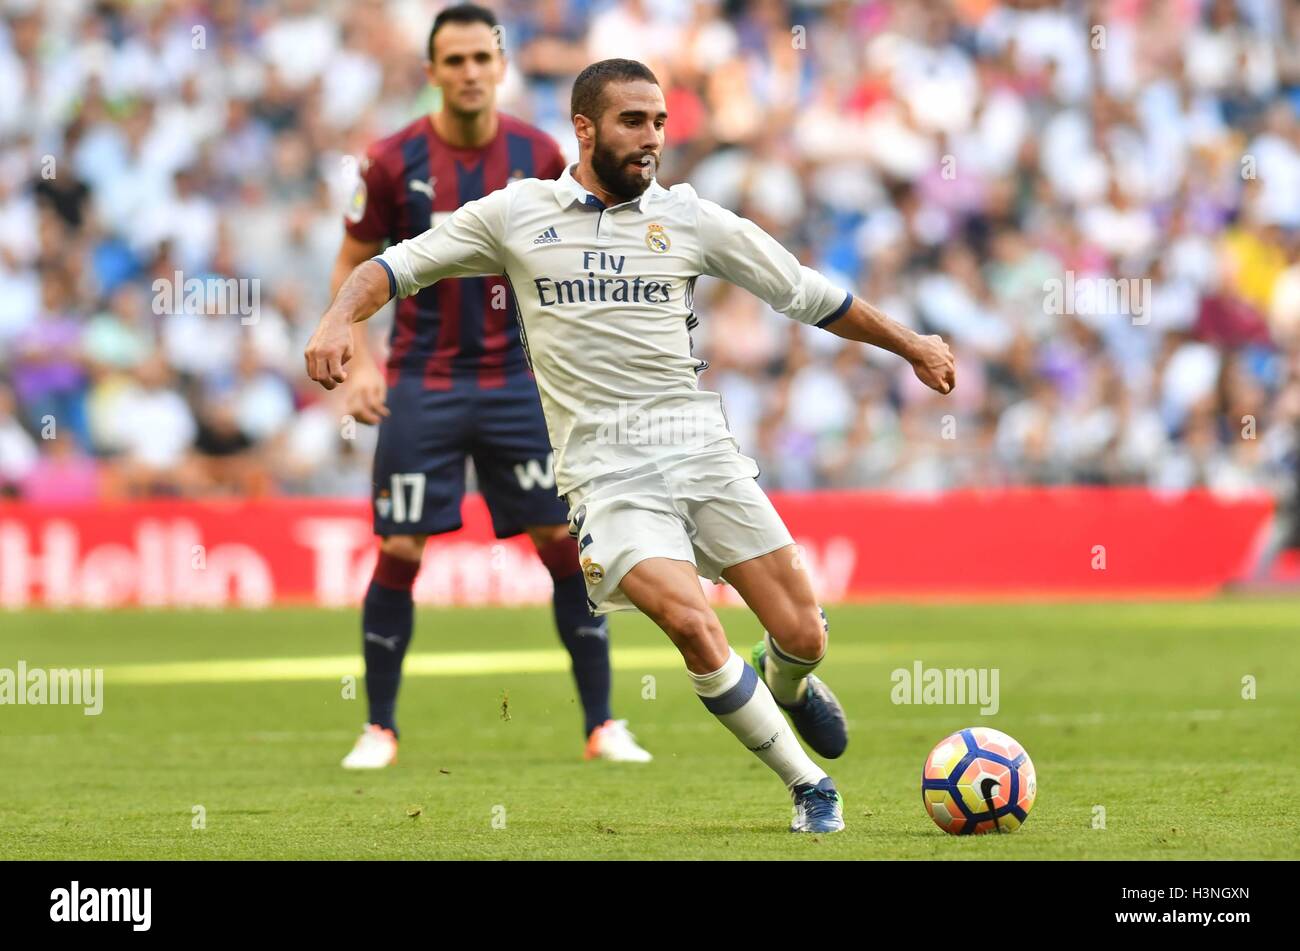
<point>457,383</point>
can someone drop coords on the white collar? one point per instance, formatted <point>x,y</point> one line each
<point>571,191</point>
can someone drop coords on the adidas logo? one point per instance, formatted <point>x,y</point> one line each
<point>547,237</point>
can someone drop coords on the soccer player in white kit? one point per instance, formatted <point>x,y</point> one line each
<point>602,263</point>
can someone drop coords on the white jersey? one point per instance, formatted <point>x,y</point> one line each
<point>604,302</point>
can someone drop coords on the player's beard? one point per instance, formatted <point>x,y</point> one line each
<point>619,178</point>
<point>468,115</point>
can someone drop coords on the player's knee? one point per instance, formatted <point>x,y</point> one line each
<point>698,634</point>
<point>689,624</point>
<point>406,547</point>
<point>804,635</point>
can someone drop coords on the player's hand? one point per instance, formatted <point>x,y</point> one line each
<point>329,348</point>
<point>933,364</point>
<point>365,396</point>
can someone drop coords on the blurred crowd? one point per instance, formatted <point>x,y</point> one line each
<point>957,163</point>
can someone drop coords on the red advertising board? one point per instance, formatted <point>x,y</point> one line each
<point>1012,543</point>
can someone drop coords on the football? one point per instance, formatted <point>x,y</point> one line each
<point>978,780</point>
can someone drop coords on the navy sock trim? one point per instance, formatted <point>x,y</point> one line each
<point>735,698</point>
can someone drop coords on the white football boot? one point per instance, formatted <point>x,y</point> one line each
<point>614,742</point>
<point>375,748</point>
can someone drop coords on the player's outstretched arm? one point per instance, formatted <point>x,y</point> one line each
<point>737,250</point>
<point>367,390</point>
<point>466,244</point>
<point>366,290</point>
<point>930,357</point>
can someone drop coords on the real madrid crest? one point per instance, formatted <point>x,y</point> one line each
<point>593,572</point>
<point>656,238</point>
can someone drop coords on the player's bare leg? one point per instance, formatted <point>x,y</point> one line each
<point>669,593</point>
<point>387,621</point>
<point>587,641</point>
<point>778,590</point>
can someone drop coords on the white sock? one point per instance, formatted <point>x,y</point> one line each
<point>785,674</point>
<point>737,697</point>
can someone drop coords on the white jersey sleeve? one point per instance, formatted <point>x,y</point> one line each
<point>737,250</point>
<point>467,244</point>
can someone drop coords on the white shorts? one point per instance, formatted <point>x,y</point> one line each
<point>705,509</point>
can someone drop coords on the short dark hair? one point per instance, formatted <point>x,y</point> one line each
<point>461,13</point>
<point>589,87</point>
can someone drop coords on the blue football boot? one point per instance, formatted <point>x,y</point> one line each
<point>819,719</point>
<point>817,808</point>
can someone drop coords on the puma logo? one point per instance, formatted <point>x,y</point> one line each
<point>389,642</point>
<point>424,188</point>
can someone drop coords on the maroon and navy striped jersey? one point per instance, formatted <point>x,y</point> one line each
<point>450,331</point>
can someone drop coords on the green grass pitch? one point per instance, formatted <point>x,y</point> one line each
<point>1133,708</point>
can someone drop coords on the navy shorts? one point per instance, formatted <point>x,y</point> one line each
<point>419,474</point>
